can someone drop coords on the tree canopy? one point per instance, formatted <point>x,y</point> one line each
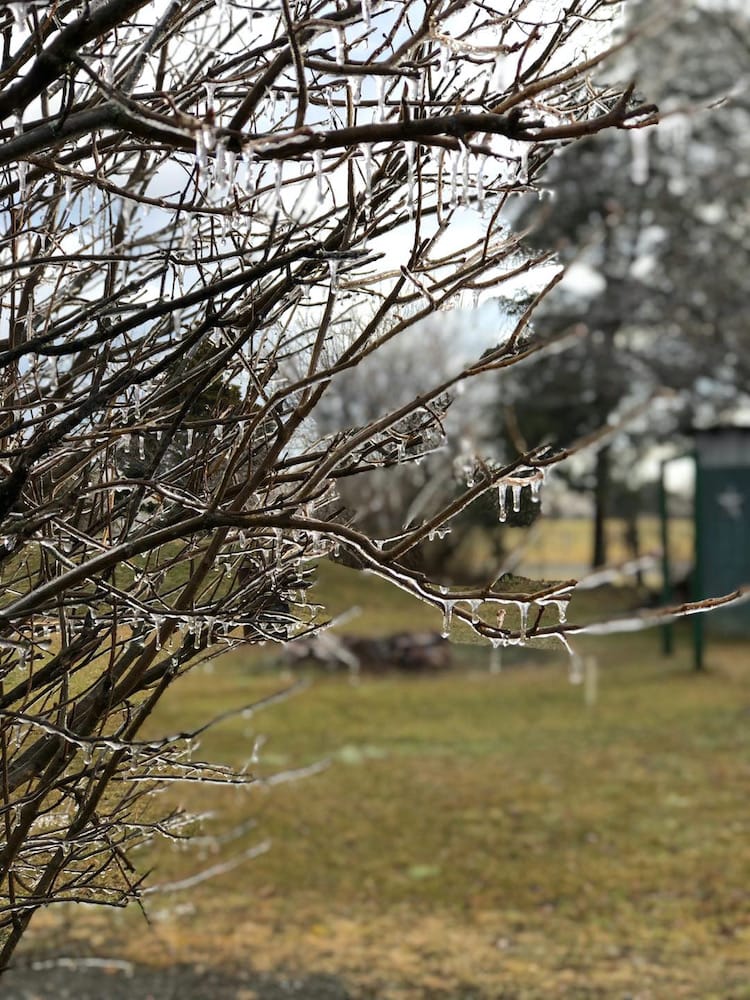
<point>211,213</point>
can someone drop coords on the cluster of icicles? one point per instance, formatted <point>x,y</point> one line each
<point>533,479</point>
<point>558,598</point>
<point>225,170</point>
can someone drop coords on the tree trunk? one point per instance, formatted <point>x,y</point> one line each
<point>601,505</point>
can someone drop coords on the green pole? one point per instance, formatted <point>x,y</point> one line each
<point>667,631</point>
<point>698,637</point>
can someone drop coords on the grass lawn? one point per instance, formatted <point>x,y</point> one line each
<point>476,835</point>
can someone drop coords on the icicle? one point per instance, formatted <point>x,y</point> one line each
<point>201,151</point>
<point>447,618</point>
<point>366,13</point>
<point>445,54</point>
<point>331,109</point>
<point>562,611</point>
<point>639,165</point>
<point>465,175</point>
<point>108,64</point>
<point>523,165</point>
<point>318,167</point>
<point>497,72</point>
<point>523,611</point>
<point>502,495</point>
<point>68,187</point>
<point>158,622</point>
<point>279,179</point>
<point>220,173</point>
<point>367,158</point>
<point>186,233</point>
<point>210,87</point>
<point>208,135</point>
<point>340,45</point>
<point>231,166</point>
<point>516,492</point>
<point>410,181</point>
<point>536,490</point>
<point>480,183</point>
<point>22,169</point>
<point>354,83</point>
<point>454,179</point>
<point>333,267</point>
<point>247,181</point>
<point>576,669</point>
<point>22,166</point>
<point>20,11</point>
<point>380,90</point>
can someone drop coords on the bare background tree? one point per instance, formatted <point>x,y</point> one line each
<point>211,213</point>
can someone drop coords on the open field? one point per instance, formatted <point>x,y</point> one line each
<point>475,835</point>
<point>562,546</point>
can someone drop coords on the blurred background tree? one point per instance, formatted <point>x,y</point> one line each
<point>654,230</point>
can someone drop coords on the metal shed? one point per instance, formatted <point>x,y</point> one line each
<point>722,523</point>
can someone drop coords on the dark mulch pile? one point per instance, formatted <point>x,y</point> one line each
<point>60,980</point>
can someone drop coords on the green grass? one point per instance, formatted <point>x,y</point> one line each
<point>476,834</point>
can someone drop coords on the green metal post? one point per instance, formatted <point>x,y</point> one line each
<point>698,638</point>
<point>667,631</point>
